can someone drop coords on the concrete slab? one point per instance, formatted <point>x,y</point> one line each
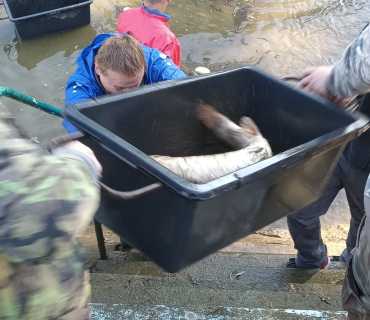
<point>226,259</point>
<point>189,282</point>
<point>256,278</point>
<point>161,312</point>
<point>244,246</point>
<point>129,292</point>
<point>230,258</point>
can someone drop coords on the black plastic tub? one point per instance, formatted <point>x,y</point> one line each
<point>183,222</point>
<point>36,18</point>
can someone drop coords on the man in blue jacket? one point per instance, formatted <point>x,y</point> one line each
<point>116,63</point>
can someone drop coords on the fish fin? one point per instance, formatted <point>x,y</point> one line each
<point>208,115</point>
<point>248,125</point>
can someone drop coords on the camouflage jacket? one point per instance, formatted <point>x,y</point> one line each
<point>45,203</point>
<point>351,72</point>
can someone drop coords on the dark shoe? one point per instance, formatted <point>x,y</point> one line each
<point>122,247</point>
<point>344,257</point>
<point>125,246</point>
<point>326,264</point>
<point>291,264</point>
<point>335,258</point>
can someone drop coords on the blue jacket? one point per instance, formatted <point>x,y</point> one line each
<point>82,85</point>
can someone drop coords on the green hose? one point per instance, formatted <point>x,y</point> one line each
<point>15,95</point>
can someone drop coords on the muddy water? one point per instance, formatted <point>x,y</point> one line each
<point>280,37</point>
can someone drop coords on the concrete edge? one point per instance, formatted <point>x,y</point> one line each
<point>120,312</point>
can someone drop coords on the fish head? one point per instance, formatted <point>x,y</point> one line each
<point>228,133</point>
<point>239,137</point>
<point>253,135</point>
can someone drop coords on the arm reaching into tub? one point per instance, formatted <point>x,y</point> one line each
<point>349,76</point>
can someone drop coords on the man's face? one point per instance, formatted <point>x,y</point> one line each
<point>115,82</point>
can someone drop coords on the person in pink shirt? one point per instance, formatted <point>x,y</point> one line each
<point>148,25</point>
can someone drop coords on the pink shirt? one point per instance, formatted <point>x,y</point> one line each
<point>150,28</point>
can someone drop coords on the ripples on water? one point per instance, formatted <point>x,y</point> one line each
<point>280,37</point>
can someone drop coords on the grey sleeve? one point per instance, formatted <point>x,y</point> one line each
<point>351,72</point>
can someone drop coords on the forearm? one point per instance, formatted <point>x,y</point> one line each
<point>85,160</point>
<point>351,72</point>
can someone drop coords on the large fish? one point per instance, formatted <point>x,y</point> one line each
<point>246,138</point>
<point>227,132</point>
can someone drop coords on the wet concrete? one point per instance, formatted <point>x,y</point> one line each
<point>120,312</point>
<point>223,272</point>
<point>278,281</point>
<point>221,258</point>
<point>227,280</point>
<point>255,278</point>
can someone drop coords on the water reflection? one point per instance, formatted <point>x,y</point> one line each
<point>31,53</point>
<point>9,50</point>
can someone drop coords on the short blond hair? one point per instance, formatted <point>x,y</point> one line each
<point>121,54</point>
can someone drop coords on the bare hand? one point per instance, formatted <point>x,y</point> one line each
<point>314,80</point>
<point>78,146</point>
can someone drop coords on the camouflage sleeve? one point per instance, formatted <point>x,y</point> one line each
<point>351,72</point>
<point>45,201</point>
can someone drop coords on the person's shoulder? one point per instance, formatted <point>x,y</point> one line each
<point>160,66</point>
<point>166,31</point>
<point>155,59</point>
<point>171,36</point>
<point>152,54</point>
<point>133,10</point>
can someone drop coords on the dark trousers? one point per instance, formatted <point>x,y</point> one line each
<point>304,224</point>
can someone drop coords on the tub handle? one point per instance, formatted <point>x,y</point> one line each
<point>291,78</point>
<point>130,195</point>
<point>115,194</point>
